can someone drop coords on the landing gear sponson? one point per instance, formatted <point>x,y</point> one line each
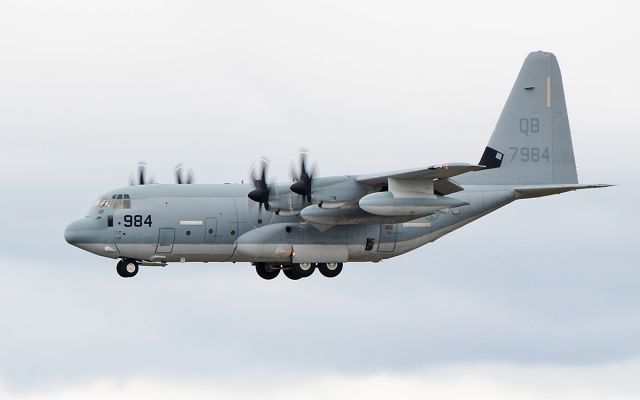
<point>298,271</point>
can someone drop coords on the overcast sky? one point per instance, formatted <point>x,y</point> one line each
<point>538,300</point>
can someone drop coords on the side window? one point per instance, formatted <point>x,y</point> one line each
<point>126,202</point>
<point>118,204</point>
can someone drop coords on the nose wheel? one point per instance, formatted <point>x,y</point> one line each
<point>127,268</point>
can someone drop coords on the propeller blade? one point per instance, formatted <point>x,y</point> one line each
<point>303,180</point>
<point>141,168</point>
<point>258,175</point>
<point>140,176</point>
<point>184,176</point>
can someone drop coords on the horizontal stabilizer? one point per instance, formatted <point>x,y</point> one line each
<point>529,192</point>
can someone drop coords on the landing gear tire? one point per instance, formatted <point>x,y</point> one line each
<point>330,270</point>
<point>304,269</point>
<point>266,271</point>
<point>127,268</point>
<point>291,273</point>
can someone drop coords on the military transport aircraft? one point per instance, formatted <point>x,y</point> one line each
<point>323,222</point>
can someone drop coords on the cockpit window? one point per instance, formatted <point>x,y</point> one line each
<point>117,201</point>
<point>121,201</point>
<point>104,203</point>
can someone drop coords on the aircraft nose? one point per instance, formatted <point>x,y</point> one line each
<point>74,232</point>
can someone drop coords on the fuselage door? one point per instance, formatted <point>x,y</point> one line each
<point>210,229</point>
<point>166,237</point>
<point>387,240</point>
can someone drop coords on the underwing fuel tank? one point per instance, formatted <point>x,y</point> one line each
<point>347,216</point>
<point>386,204</point>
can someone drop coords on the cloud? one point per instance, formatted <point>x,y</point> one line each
<point>78,321</point>
<point>94,87</point>
<point>462,381</point>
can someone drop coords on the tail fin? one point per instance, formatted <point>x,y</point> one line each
<point>531,143</point>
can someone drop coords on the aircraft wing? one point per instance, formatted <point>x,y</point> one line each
<point>442,171</point>
<point>439,174</point>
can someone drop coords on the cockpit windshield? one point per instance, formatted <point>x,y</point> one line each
<point>116,201</point>
<point>103,203</point>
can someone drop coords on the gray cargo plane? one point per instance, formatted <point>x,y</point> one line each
<point>323,222</point>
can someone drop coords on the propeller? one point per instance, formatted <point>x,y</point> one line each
<point>141,175</point>
<point>183,175</point>
<point>258,175</point>
<point>303,176</point>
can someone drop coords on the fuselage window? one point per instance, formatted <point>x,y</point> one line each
<point>126,202</point>
<point>118,204</point>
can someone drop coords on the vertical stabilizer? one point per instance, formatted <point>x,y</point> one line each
<point>531,143</point>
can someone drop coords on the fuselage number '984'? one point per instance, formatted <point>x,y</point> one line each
<point>136,220</point>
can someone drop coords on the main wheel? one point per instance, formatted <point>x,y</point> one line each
<point>127,268</point>
<point>291,273</point>
<point>330,270</point>
<point>266,271</point>
<point>304,269</point>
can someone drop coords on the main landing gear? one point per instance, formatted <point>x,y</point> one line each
<point>127,268</point>
<point>298,270</point>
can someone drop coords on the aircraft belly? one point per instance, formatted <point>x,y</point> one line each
<point>102,249</point>
<point>201,252</point>
<point>426,230</point>
<point>141,251</point>
<point>320,253</point>
<point>277,252</point>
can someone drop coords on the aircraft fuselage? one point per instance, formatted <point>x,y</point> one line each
<point>218,223</point>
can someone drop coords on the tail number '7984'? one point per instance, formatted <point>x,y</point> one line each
<point>530,154</point>
<point>136,220</point>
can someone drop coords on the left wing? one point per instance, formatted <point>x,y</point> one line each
<point>442,171</point>
<point>438,174</point>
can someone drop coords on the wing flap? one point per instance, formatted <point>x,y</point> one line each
<point>444,187</point>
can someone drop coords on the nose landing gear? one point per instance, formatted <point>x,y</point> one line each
<point>127,268</point>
